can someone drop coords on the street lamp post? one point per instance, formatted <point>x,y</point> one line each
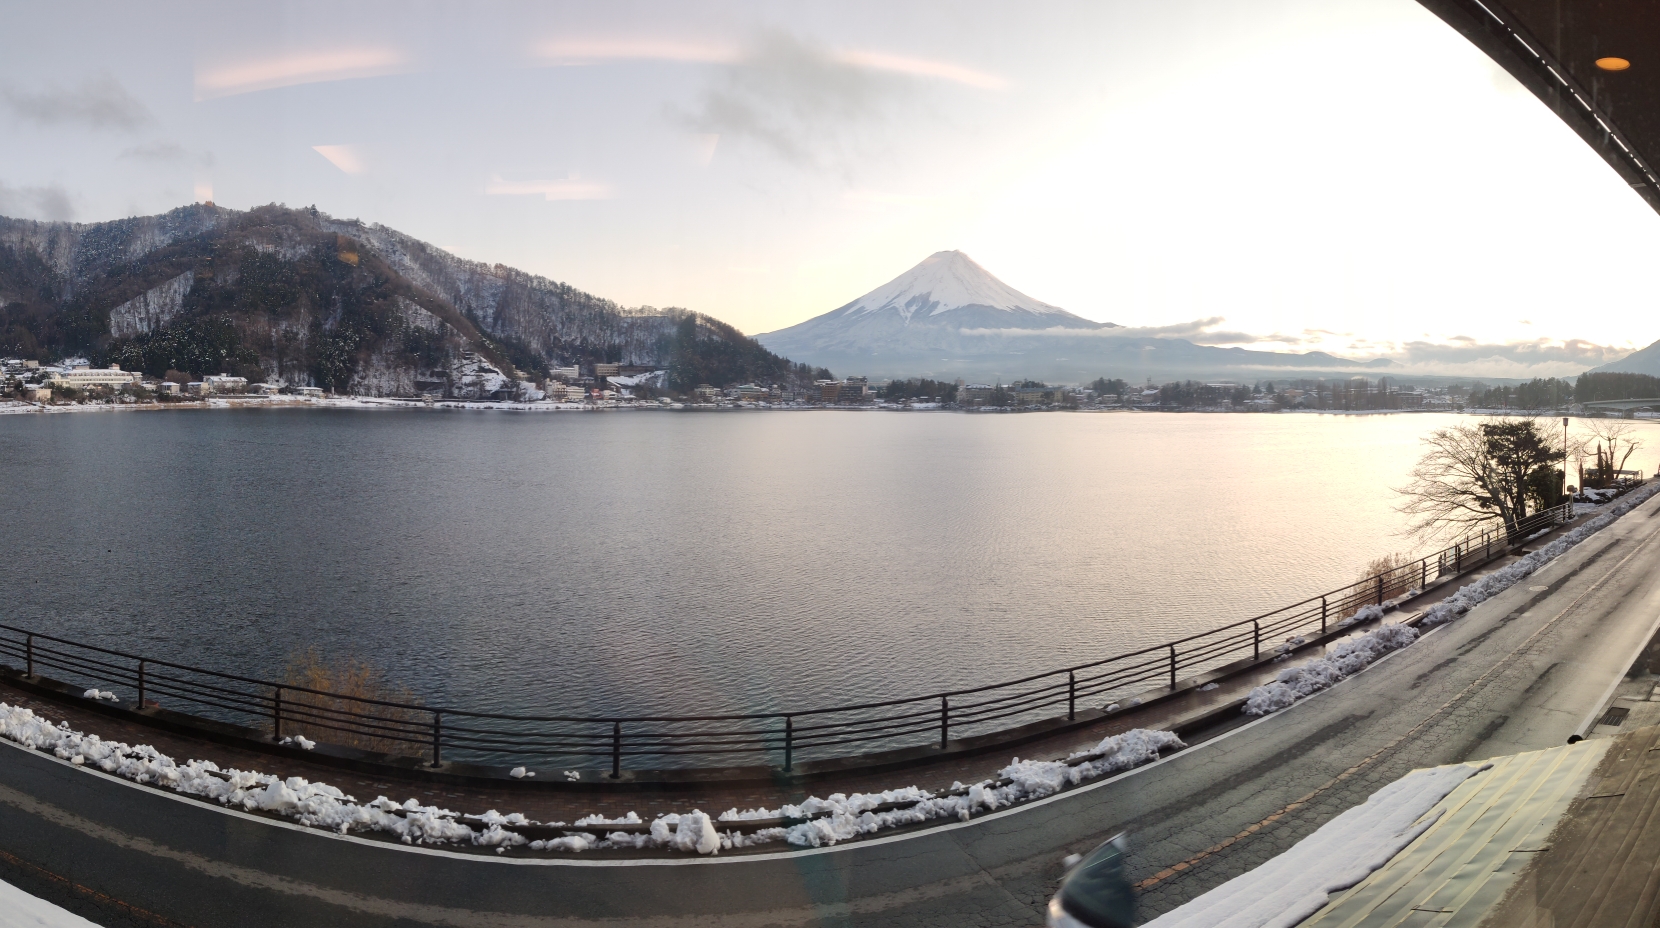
<point>1564,456</point>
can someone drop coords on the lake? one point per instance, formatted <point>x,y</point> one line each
<point>633,562</point>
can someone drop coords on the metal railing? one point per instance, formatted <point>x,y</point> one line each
<point>282,710</point>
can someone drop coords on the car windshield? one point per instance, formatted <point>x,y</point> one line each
<point>1097,891</point>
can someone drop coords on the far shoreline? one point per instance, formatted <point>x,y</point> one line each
<point>9,408</point>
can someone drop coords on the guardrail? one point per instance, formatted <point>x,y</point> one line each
<point>283,710</point>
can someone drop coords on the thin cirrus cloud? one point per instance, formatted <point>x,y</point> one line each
<point>920,67</point>
<point>571,188</point>
<point>573,52</point>
<point>347,158</point>
<point>231,78</point>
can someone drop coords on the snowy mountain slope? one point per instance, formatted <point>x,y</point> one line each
<point>949,317</point>
<point>1641,361</point>
<point>951,282</point>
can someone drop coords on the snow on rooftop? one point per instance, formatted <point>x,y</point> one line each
<point>1296,884</point>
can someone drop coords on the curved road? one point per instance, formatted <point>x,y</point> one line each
<point>1523,671</point>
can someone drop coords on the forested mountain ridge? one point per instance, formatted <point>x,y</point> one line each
<point>297,297</point>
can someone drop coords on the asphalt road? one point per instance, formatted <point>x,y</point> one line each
<point>1523,671</point>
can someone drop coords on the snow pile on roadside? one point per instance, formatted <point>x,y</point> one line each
<point>1472,595</point>
<point>1345,659</point>
<point>314,804</point>
<point>1296,884</point>
<point>840,817</point>
<point>1349,657</point>
<point>319,805</point>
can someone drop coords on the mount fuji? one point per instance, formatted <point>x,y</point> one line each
<point>950,317</point>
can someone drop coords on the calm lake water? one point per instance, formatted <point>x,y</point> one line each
<point>678,562</point>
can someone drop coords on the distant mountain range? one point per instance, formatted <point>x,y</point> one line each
<point>949,317</point>
<point>297,297</point>
<point>1641,361</point>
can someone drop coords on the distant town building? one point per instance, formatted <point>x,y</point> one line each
<point>1033,396</point>
<point>565,373</point>
<point>264,389</point>
<point>607,370</point>
<point>309,392</point>
<point>82,377</point>
<point>705,393</point>
<point>851,390</point>
<point>225,383</point>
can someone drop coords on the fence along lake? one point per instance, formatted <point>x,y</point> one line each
<point>662,562</point>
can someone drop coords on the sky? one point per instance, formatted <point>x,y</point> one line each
<point>1295,175</point>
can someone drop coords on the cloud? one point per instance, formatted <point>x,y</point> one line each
<point>920,67</point>
<point>571,188</point>
<point>99,103</point>
<point>791,98</point>
<point>50,202</point>
<point>165,153</point>
<point>810,105</point>
<point>588,51</point>
<point>246,76</point>
<point>345,157</point>
<point>1202,331</point>
<point>572,52</point>
<point>1573,355</point>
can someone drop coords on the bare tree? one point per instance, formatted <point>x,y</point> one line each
<point>1473,473</point>
<point>1615,441</point>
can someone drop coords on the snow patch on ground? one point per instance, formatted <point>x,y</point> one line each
<point>813,823</point>
<point>1344,660</point>
<point>1296,884</point>
<point>1349,657</point>
<point>19,909</point>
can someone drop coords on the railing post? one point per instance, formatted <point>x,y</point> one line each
<point>789,741</point>
<point>1423,574</point>
<point>1458,559</point>
<point>1380,589</point>
<point>141,685</point>
<point>437,739</point>
<point>1322,615</point>
<point>616,750</point>
<point>1256,640</point>
<point>276,716</point>
<point>1071,695</point>
<point>29,655</point>
<point>1172,666</point>
<point>945,720</point>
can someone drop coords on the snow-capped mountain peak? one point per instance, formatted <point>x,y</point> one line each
<point>945,281</point>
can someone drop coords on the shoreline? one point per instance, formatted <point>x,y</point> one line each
<point>542,406</point>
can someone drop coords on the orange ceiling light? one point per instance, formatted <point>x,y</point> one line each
<point>1613,64</point>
